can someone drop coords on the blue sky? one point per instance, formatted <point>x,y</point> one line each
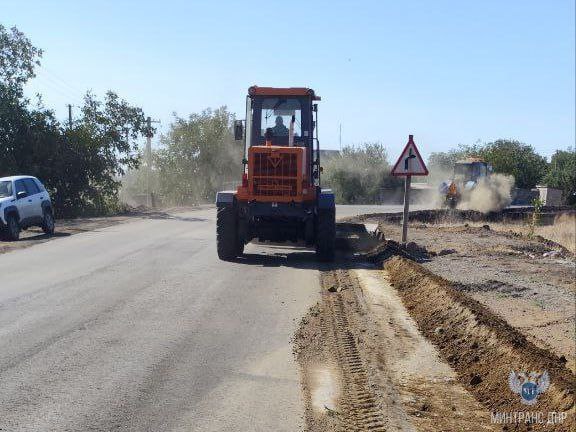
<point>448,72</point>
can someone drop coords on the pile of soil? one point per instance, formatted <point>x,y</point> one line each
<point>385,249</point>
<point>480,346</point>
<point>527,282</point>
<point>548,213</point>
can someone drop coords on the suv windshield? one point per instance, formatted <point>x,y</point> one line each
<point>5,189</point>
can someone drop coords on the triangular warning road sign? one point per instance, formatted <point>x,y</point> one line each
<point>410,162</point>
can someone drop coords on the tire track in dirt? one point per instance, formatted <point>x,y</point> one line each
<point>328,341</point>
<point>373,361</point>
<point>360,409</point>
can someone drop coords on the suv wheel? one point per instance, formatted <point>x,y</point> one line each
<point>48,222</point>
<point>12,228</point>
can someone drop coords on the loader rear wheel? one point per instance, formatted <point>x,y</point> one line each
<point>326,235</point>
<point>228,244</point>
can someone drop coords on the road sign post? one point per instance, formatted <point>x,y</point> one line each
<point>407,182</point>
<point>408,164</point>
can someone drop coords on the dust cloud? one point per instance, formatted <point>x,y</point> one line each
<point>492,193</point>
<point>434,198</point>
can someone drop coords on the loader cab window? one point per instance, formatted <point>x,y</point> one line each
<point>462,172</point>
<point>469,171</point>
<point>279,115</point>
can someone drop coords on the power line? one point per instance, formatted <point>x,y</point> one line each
<point>53,86</point>
<point>42,73</point>
<point>64,82</point>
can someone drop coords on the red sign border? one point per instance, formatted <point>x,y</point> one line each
<point>410,141</point>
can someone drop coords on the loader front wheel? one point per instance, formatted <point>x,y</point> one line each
<point>326,235</point>
<point>228,244</point>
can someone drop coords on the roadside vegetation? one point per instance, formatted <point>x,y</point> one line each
<point>359,174</point>
<point>562,231</point>
<point>562,173</point>
<point>79,163</point>
<point>85,163</point>
<point>196,157</point>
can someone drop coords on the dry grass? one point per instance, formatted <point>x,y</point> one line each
<point>563,231</point>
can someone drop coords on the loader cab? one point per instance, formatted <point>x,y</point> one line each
<point>471,170</point>
<point>282,117</point>
<point>291,107</point>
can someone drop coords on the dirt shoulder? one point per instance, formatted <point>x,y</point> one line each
<point>366,366</point>
<point>529,283</point>
<point>482,347</point>
<point>428,341</point>
<point>68,227</point>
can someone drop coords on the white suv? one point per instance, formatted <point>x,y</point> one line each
<point>24,202</point>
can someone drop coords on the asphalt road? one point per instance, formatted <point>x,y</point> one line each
<point>140,327</point>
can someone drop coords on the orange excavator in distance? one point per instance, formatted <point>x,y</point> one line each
<point>280,198</point>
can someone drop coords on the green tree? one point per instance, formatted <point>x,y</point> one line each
<point>18,57</point>
<point>198,156</point>
<point>562,174</point>
<point>510,157</point>
<point>79,165</point>
<point>359,173</point>
<point>101,146</point>
<point>516,159</point>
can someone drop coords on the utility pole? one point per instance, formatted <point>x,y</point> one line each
<point>340,137</point>
<point>148,157</point>
<point>69,116</point>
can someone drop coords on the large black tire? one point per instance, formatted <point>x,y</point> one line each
<point>228,244</point>
<point>48,222</point>
<point>12,229</point>
<point>452,203</point>
<point>326,235</point>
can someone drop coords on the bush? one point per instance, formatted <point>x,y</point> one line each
<point>197,157</point>
<point>79,164</point>
<point>358,174</point>
<point>562,174</point>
